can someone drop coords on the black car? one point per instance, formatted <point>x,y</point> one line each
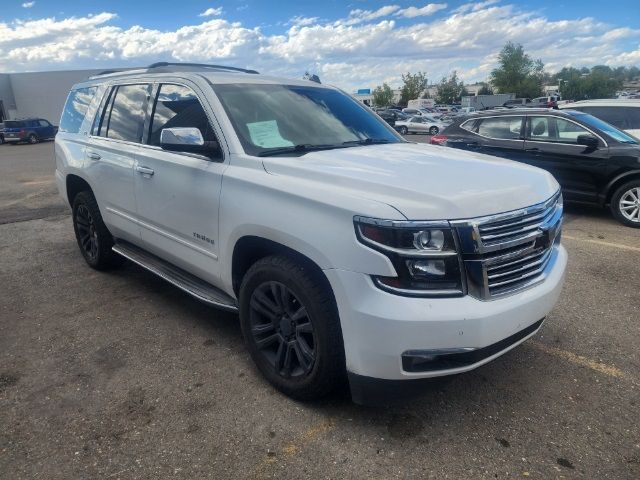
<point>594,162</point>
<point>391,116</point>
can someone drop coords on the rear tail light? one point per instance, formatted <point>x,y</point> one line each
<point>438,140</point>
<point>22,132</point>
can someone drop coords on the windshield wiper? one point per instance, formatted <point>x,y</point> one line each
<point>305,147</point>
<point>367,141</point>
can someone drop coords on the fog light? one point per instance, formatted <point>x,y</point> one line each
<point>426,268</point>
<point>429,240</point>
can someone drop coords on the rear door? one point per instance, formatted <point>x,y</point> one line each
<point>551,144</point>
<point>111,155</point>
<point>500,136</point>
<point>177,192</point>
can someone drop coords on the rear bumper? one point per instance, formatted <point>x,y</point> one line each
<point>379,327</point>
<point>14,139</point>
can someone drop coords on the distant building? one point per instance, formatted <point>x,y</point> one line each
<point>37,94</point>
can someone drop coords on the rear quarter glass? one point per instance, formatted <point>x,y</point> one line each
<point>75,109</point>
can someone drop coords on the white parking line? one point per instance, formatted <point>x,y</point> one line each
<point>600,242</point>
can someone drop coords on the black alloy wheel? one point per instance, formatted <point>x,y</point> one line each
<point>87,233</point>
<point>291,327</point>
<point>282,329</point>
<point>94,239</point>
<point>433,131</point>
<point>404,130</point>
<point>33,139</point>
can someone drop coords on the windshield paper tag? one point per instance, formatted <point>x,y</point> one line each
<point>267,135</point>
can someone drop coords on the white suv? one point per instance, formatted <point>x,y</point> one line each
<point>349,252</point>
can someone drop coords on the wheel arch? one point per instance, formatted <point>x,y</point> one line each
<point>74,185</point>
<point>617,181</point>
<point>251,248</point>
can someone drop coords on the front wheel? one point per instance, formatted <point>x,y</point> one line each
<point>404,130</point>
<point>434,130</point>
<point>625,204</point>
<point>290,325</point>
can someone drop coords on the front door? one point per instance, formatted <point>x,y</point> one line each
<point>551,144</point>
<point>178,193</point>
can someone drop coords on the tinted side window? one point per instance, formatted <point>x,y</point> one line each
<point>540,129</point>
<point>633,117</point>
<point>75,109</point>
<point>178,106</point>
<point>507,128</point>
<point>43,123</point>
<point>614,115</point>
<point>126,119</point>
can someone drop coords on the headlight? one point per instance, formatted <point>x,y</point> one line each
<point>424,255</point>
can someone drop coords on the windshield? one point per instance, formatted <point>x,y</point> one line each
<point>289,117</point>
<point>610,130</point>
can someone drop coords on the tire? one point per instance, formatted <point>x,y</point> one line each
<point>625,204</point>
<point>404,130</point>
<point>93,237</point>
<point>291,328</point>
<point>434,130</point>
<point>32,139</point>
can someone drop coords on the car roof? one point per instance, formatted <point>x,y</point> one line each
<point>605,102</point>
<point>215,74</point>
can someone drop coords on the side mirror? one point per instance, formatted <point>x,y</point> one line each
<point>186,139</point>
<point>588,141</point>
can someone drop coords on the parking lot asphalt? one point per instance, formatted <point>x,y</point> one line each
<point>120,375</point>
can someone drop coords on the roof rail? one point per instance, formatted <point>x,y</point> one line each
<point>199,65</point>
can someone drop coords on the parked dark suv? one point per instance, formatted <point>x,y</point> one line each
<point>30,130</point>
<point>594,162</point>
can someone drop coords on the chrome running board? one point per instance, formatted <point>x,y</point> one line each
<point>185,281</point>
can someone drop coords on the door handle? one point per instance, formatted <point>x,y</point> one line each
<point>94,156</point>
<point>532,149</point>
<point>145,170</point>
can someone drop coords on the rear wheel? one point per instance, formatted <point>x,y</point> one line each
<point>404,130</point>
<point>291,328</point>
<point>32,139</point>
<point>625,204</point>
<point>434,130</point>
<point>94,239</point>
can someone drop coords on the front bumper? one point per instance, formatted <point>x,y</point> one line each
<point>378,327</point>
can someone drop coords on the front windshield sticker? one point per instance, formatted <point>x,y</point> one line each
<point>267,135</point>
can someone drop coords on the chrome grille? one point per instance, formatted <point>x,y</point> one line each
<point>512,274</point>
<point>509,252</point>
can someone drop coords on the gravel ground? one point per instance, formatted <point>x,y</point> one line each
<point>119,375</point>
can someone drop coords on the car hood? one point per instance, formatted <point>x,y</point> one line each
<point>423,182</point>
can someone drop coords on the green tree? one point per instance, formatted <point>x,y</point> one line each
<point>413,86</point>
<point>382,95</point>
<point>517,72</point>
<point>598,82</point>
<point>450,90</point>
<point>485,89</point>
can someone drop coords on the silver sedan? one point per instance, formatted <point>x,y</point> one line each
<point>420,124</point>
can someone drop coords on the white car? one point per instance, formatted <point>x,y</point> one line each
<point>420,124</point>
<point>621,113</point>
<point>347,251</point>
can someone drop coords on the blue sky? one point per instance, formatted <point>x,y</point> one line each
<point>353,44</point>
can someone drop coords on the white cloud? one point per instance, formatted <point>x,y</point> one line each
<point>301,21</point>
<point>428,9</point>
<point>361,50</point>
<point>28,4</point>
<point>211,12</point>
